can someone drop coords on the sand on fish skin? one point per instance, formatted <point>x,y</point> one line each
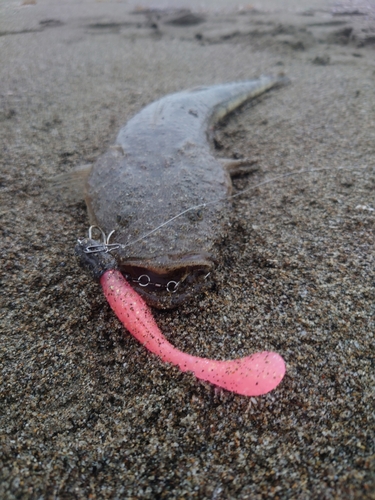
<point>85,411</point>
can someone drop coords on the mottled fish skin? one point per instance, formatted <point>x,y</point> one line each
<point>162,164</point>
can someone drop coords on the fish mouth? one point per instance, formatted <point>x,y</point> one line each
<point>167,283</point>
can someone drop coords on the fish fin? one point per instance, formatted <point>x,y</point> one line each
<point>71,185</point>
<point>237,168</point>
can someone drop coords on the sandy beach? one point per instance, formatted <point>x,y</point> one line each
<point>86,412</point>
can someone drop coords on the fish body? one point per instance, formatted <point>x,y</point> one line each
<point>161,165</point>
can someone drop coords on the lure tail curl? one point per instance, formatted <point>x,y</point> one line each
<point>250,376</point>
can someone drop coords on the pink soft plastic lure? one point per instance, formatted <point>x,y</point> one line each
<point>250,376</point>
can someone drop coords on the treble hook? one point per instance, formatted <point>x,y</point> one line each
<point>104,246</point>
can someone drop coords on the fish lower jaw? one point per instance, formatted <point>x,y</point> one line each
<point>167,290</point>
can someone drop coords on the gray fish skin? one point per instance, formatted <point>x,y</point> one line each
<point>162,164</point>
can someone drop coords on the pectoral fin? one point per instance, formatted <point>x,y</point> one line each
<point>237,168</point>
<point>71,185</point>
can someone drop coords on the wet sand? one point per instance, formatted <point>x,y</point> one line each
<point>87,412</point>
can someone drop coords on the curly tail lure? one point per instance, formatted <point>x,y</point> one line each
<point>253,375</point>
